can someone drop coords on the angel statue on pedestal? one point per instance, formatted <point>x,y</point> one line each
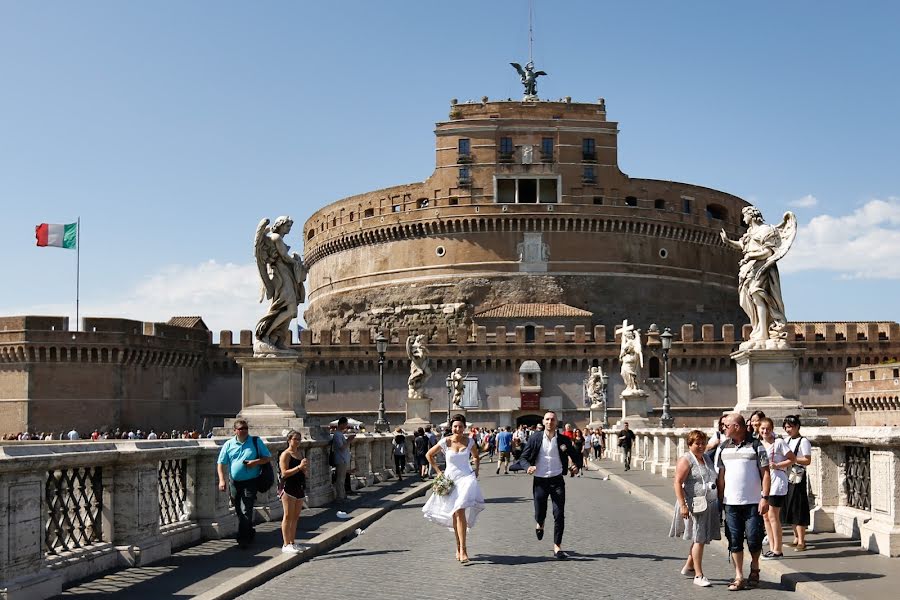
<point>419,371</point>
<point>759,284</point>
<point>631,354</point>
<point>529,79</point>
<point>458,382</point>
<point>594,387</point>
<point>282,275</point>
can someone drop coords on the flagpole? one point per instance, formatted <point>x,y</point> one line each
<point>77,273</point>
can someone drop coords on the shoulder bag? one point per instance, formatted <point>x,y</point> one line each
<point>266,478</point>
<point>797,472</point>
<point>699,504</point>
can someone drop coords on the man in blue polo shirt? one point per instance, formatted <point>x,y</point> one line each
<point>243,454</point>
<point>504,447</point>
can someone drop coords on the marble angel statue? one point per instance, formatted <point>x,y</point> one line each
<point>419,371</point>
<point>759,285</point>
<point>282,275</point>
<point>458,384</point>
<point>631,354</point>
<point>595,387</point>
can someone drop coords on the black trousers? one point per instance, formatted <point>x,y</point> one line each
<point>243,496</point>
<point>555,489</point>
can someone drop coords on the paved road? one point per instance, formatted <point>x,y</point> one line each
<point>619,549</point>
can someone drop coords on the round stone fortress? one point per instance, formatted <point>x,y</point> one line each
<point>527,204</point>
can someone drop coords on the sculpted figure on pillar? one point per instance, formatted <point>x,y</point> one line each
<point>631,354</point>
<point>759,284</point>
<point>457,381</point>
<point>419,371</point>
<point>595,386</point>
<point>282,274</point>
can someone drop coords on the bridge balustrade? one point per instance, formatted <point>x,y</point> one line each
<point>75,509</point>
<point>854,477</point>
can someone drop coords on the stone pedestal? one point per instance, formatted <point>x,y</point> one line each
<point>769,380</point>
<point>634,409</point>
<point>418,413</point>
<point>596,416</point>
<point>273,394</point>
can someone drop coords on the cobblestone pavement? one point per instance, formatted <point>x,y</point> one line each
<point>618,546</point>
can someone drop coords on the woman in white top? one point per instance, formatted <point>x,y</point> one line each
<point>460,507</point>
<point>780,460</point>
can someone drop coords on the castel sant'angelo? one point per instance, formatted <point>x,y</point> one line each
<point>516,260</point>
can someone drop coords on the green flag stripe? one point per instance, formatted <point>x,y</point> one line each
<point>70,235</point>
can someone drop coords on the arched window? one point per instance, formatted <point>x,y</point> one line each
<point>654,368</point>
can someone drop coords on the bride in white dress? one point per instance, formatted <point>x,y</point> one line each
<point>459,509</point>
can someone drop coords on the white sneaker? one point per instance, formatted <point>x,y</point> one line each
<point>702,581</point>
<point>765,540</point>
<point>289,549</point>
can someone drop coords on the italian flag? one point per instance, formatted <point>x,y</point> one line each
<point>57,235</point>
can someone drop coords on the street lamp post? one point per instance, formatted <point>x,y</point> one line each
<point>449,398</point>
<point>381,344</point>
<point>604,385</point>
<point>666,339</point>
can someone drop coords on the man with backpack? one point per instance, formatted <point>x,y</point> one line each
<point>244,454</point>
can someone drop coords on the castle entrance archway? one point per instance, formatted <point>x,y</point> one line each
<point>529,420</point>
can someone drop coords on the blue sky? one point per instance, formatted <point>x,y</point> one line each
<point>172,127</point>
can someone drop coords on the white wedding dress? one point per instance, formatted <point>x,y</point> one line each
<point>466,493</point>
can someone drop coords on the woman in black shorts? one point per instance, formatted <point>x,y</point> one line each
<point>293,476</point>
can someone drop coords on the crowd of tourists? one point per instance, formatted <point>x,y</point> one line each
<point>109,434</point>
<point>749,480</point>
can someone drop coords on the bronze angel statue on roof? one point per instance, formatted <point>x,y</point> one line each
<point>282,275</point>
<point>759,284</point>
<point>529,78</point>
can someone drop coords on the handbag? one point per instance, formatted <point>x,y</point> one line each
<point>700,504</point>
<point>266,478</point>
<point>797,472</point>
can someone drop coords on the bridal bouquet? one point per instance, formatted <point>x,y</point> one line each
<point>442,485</point>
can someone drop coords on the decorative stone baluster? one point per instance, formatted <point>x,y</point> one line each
<point>212,507</point>
<point>135,510</point>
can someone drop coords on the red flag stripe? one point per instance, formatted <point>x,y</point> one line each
<point>40,232</point>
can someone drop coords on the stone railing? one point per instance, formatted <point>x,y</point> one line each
<point>854,477</point>
<point>75,509</point>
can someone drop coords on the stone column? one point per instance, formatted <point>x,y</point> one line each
<point>212,507</point>
<point>135,510</point>
<point>881,533</point>
<point>22,530</point>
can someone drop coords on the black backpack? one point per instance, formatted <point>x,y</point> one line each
<point>266,478</point>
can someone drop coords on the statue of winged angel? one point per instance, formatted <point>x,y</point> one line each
<point>282,275</point>
<point>759,284</point>
<point>529,78</point>
<point>631,355</point>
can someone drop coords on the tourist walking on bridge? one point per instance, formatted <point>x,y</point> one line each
<point>780,460</point>
<point>696,507</point>
<point>549,454</point>
<point>459,507</point>
<point>796,503</point>
<point>743,484</point>
<point>243,454</point>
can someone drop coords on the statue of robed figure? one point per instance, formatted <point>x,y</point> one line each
<point>282,274</point>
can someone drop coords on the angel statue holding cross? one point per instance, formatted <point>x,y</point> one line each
<point>631,354</point>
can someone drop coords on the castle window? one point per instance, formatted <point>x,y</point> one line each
<point>529,334</point>
<point>506,148</point>
<point>465,177</point>
<point>464,146</point>
<point>397,208</point>
<point>588,175</point>
<point>526,190</point>
<point>352,215</point>
<point>659,204</point>
<point>716,211</point>
<point>896,373</point>
<point>588,149</point>
<point>850,376</point>
<point>598,200</point>
<point>422,203</point>
<point>654,368</point>
<point>818,377</point>
<point>686,206</point>
<point>547,149</point>
<point>631,201</point>
<point>871,374</point>
<point>453,202</point>
<point>369,212</point>
<point>310,234</point>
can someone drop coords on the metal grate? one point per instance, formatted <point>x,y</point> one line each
<point>172,491</point>
<point>74,504</point>
<point>857,477</point>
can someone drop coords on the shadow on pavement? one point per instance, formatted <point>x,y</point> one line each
<point>353,553</point>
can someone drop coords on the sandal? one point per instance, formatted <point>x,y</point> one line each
<point>753,579</point>
<point>737,585</point>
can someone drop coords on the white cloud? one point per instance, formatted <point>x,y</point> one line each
<point>225,295</point>
<point>864,244</point>
<point>806,201</point>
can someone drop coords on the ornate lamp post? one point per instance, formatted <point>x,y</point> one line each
<point>604,385</point>
<point>665,339</point>
<point>381,344</point>
<point>449,398</point>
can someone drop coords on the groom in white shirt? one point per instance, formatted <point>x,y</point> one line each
<point>548,454</point>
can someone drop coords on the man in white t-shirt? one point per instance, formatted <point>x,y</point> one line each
<point>73,435</point>
<point>743,483</point>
